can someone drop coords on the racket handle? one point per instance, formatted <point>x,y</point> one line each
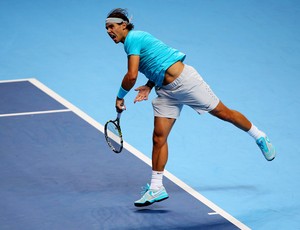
<point>119,114</point>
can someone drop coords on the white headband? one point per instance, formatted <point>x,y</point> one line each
<point>115,20</point>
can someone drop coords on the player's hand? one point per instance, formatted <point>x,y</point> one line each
<point>120,106</point>
<point>143,92</point>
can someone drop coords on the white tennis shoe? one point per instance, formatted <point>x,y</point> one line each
<point>151,195</point>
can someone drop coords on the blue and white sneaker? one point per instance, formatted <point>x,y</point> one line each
<point>150,196</point>
<point>266,147</point>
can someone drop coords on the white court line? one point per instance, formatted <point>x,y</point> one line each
<point>16,80</point>
<point>67,104</point>
<point>35,113</point>
<point>212,213</point>
<point>217,210</point>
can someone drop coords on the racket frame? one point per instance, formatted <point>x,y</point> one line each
<point>116,123</point>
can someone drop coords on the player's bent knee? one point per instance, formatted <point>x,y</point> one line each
<point>158,140</point>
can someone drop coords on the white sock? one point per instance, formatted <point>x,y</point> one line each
<point>255,132</point>
<point>156,179</point>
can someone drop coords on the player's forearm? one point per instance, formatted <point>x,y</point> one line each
<point>129,81</point>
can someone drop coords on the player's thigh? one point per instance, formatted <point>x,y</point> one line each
<point>201,98</point>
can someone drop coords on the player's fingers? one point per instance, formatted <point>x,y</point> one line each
<point>120,110</point>
<point>136,99</point>
<point>140,98</point>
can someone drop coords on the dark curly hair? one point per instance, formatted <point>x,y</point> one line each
<point>121,13</point>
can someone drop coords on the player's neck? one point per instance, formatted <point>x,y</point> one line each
<point>124,35</point>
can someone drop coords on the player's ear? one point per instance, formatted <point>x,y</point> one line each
<point>124,25</point>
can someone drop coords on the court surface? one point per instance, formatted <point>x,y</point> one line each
<point>58,173</point>
<point>247,51</point>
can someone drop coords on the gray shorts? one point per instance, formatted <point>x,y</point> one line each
<point>188,89</point>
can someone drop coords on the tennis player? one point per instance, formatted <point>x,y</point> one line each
<point>176,84</point>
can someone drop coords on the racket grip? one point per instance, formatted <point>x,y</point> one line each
<point>119,114</point>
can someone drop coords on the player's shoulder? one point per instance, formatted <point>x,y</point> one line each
<point>138,34</point>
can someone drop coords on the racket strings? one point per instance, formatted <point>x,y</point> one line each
<point>114,137</point>
<point>113,128</point>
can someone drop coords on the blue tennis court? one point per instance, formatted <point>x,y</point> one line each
<point>58,173</point>
<point>60,72</point>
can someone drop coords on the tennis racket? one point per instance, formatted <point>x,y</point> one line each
<point>113,134</point>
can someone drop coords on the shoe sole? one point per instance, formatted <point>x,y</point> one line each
<point>270,159</point>
<point>147,203</point>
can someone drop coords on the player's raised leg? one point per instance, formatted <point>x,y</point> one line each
<point>240,121</point>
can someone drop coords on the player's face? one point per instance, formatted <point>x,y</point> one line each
<point>116,32</point>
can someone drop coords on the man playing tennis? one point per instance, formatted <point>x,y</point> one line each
<point>176,84</point>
